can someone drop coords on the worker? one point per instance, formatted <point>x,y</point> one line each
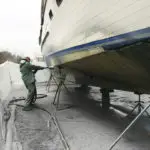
<point>28,76</point>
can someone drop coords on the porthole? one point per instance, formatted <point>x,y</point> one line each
<point>59,2</point>
<point>50,14</point>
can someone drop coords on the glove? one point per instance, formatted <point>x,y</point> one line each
<point>34,71</point>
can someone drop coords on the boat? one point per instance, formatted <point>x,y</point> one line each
<point>100,42</point>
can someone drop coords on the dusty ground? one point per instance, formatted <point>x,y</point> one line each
<point>36,132</point>
<point>87,127</point>
<point>35,129</point>
<point>84,125</point>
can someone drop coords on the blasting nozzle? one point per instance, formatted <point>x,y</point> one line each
<point>51,68</point>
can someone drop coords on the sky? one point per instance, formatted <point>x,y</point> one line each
<point>20,26</point>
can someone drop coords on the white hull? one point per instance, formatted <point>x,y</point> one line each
<point>88,36</point>
<point>82,21</point>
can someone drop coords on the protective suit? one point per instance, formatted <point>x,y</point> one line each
<point>28,76</point>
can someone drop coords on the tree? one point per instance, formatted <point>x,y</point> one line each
<point>7,56</point>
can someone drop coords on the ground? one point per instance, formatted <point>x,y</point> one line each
<point>83,124</point>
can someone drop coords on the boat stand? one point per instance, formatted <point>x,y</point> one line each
<point>57,94</point>
<point>59,85</point>
<point>139,105</point>
<point>52,77</point>
<point>129,126</point>
<point>105,98</point>
<point>56,100</point>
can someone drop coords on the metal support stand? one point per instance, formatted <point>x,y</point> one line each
<point>57,94</point>
<point>129,126</point>
<point>50,79</point>
<point>139,105</point>
<point>105,98</point>
<point>59,85</point>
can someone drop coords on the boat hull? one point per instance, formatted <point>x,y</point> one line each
<point>127,69</point>
<point>101,43</point>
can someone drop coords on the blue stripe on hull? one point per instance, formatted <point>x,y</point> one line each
<point>110,43</point>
